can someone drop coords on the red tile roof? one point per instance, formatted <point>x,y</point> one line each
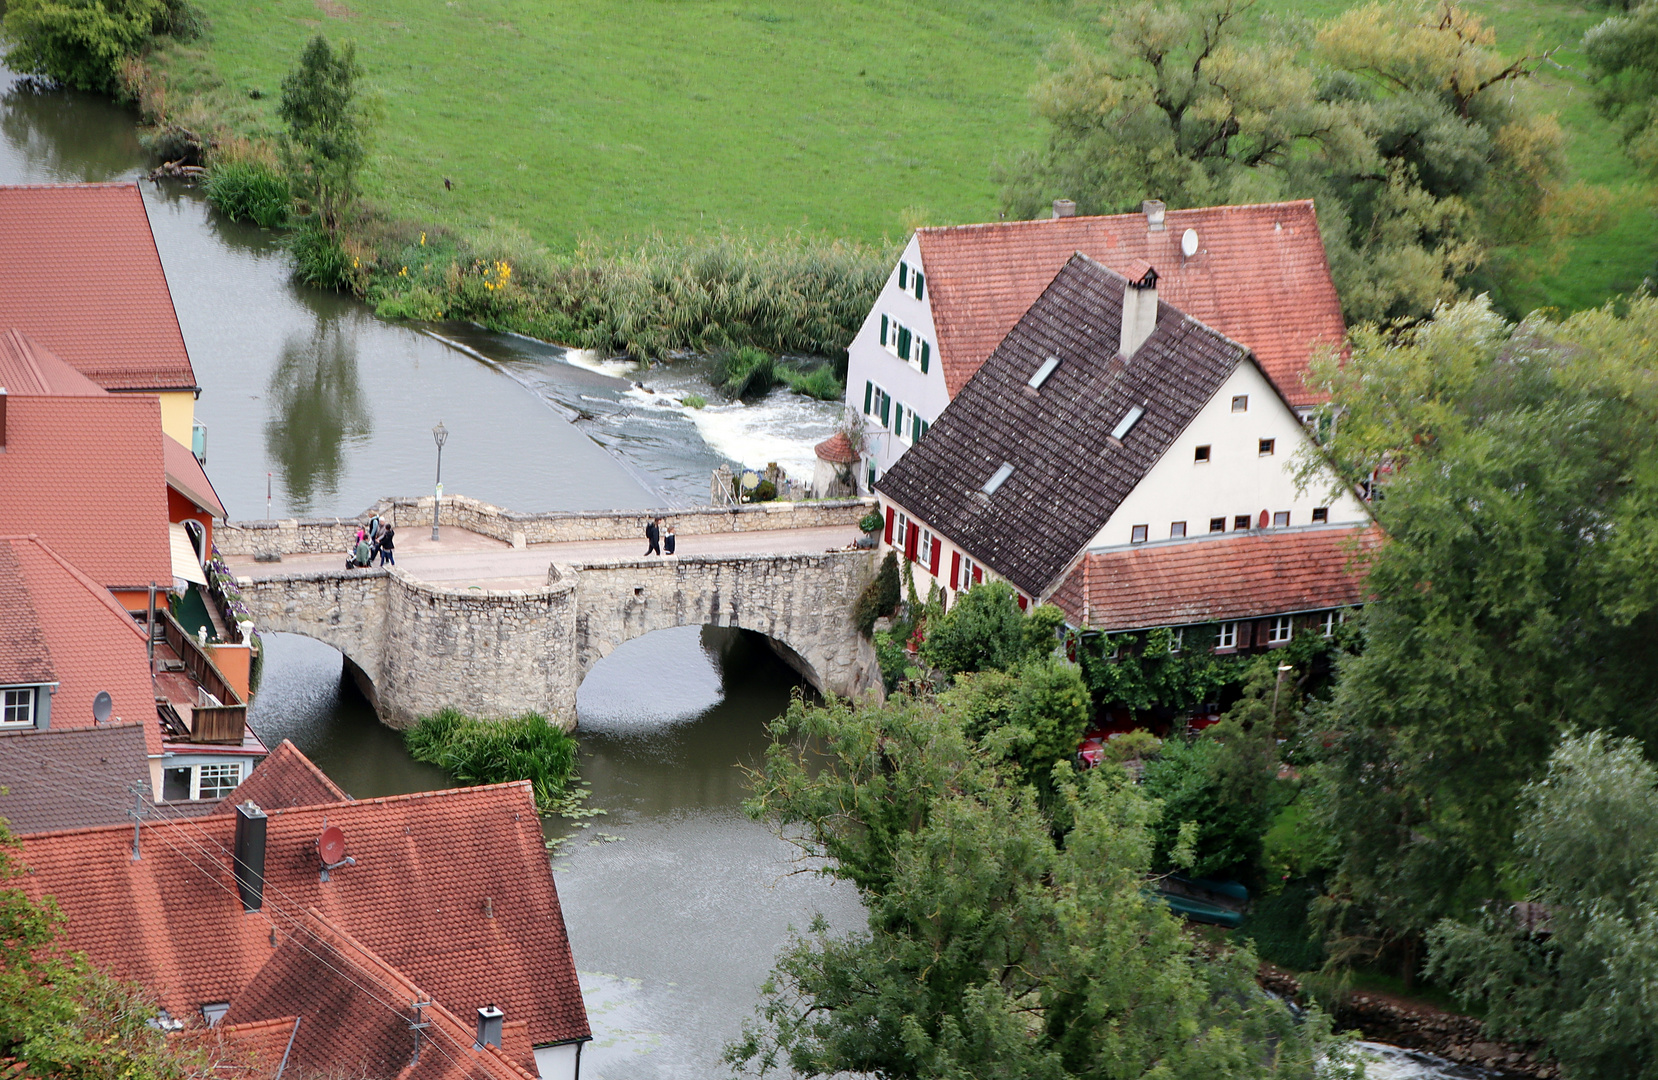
<point>23,654</point>
<point>1238,576</point>
<point>28,367</point>
<point>286,778</point>
<point>87,475</point>
<point>452,888</point>
<point>79,272</point>
<point>260,1044</point>
<point>186,476</point>
<point>837,449</point>
<point>355,1013</point>
<point>1260,277</point>
<point>93,643</point>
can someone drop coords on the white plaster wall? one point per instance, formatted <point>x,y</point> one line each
<point>868,360</point>
<point>557,1062</point>
<point>1236,479</point>
<point>924,579</point>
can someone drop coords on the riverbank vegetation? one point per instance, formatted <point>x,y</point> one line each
<point>498,751</point>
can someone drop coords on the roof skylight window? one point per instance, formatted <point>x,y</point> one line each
<point>997,479</point>
<point>1043,372</point>
<point>1126,424</point>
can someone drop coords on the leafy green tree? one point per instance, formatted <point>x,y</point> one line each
<point>1588,841</point>
<point>995,948</point>
<point>327,137</point>
<point>1402,126</point>
<point>1623,58</point>
<point>986,630</point>
<point>1033,716</point>
<point>79,43</point>
<point>1513,599</point>
<point>880,597</point>
<point>63,1018</point>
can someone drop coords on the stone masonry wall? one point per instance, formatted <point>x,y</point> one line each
<point>289,536</point>
<point>503,653</point>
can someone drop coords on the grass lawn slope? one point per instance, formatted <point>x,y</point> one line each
<point>855,118</point>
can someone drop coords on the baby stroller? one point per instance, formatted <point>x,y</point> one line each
<point>361,555</point>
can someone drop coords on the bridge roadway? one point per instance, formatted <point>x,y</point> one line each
<point>498,628</point>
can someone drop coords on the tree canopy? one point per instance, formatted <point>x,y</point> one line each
<point>1398,119</point>
<point>326,141</point>
<point>1623,58</point>
<point>999,944</point>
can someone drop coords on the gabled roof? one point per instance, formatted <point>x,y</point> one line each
<point>1220,579</point>
<point>285,778</point>
<point>1259,276</point>
<point>79,273</point>
<point>69,778</point>
<point>452,888</point>
<point>1069,473</point>
<point>24,657</point>
<point>355,1015</point>
<point>28,367</point>
<point>87,475</point>
<point>186,476</point>
<point>92,642</point>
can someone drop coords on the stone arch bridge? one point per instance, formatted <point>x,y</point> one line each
<point>416,644</point>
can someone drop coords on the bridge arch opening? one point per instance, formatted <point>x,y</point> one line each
<point>316,695</point>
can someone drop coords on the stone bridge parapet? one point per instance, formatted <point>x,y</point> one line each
<point>296,536</point>
<point>417,647</point>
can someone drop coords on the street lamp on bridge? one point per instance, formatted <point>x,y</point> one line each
<point>440,435</point>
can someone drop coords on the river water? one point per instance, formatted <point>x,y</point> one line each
<point>676,903</point>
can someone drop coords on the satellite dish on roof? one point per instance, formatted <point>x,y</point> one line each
<point>102,707</point>
<point>331,847</point>
<point>1188,243</point>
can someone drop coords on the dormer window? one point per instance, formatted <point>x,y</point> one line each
<point>1126,424</point>
<point>997,479</point>
<point>1043,372</point>
<point>17,707</point>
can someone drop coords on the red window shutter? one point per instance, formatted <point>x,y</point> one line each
<point>955,569</point>
<point>912,540</point>
<point>978,575</point>
<point>932,561</point>
<point>890,515</point>
<point>1022,601</point>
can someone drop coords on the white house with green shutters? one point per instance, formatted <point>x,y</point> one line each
<point>892,372</point>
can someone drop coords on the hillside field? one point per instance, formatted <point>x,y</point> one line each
<point>612,119</point>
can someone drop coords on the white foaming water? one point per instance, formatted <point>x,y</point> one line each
<point>782,426</point>
<point>1384,1062</point>
<point>620,368</point>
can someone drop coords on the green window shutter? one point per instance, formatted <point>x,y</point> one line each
<point>903,275</point>
<point>869,394</point>
<point>915,428</point>
<point>886,408</point>
<point>883,329</point>
<point>920,285</point>
<point>904,342</point>
<point>926,354</point>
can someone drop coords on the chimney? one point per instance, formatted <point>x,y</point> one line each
<point>1064,208</point>
<point>489,1027</point>
<point>1139,307</point>
<point>250,856</point>
<point>1153,209</point>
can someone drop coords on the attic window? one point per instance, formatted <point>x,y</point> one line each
<point>997,479</point>
<point>1240,403</point>
<point>1202,453</point>
<point>1043,372</point>
<point>1267,446</point>
<point>1126,424</point>
<point>213,1012</point>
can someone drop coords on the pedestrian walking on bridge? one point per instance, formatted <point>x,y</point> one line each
<point>653,537</point>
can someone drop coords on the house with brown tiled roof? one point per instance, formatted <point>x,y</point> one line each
<point>1257,274</point>
<point>1111,433</point>
<point>406,918</point>
<point>80,274</point>
<point>66,645</point>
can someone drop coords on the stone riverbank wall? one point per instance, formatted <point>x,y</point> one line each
<point>418,647</point>
<point>293,536</point>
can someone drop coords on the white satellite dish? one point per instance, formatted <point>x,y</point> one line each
<point>1188,242</point>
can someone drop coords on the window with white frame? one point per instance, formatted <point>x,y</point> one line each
<point>877,403</point>
<point>1228,636</point>
<point>964,578</point>
<point>1177,640</point>
<point>906,344</point>
<point>217,780</point>
<point>1329,624</point>
<point>1281,631</point>
<point>900,529</point>
<point>924,551</point>
<point>912,280</point>
<point>17,707</point>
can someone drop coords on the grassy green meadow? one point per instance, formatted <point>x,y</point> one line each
<point>614,119</point>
